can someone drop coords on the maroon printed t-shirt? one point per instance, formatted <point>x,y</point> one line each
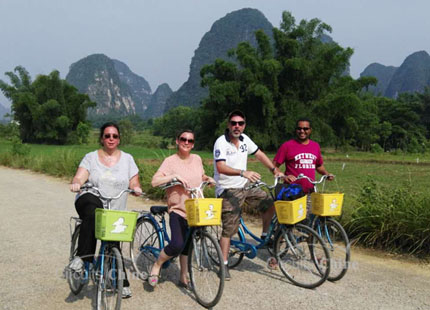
<point>300,158</point>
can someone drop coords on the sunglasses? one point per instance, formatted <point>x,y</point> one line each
<point>302,128</point>
<point>240,123</point>
<point>108,136</point>
<point>182,139</point>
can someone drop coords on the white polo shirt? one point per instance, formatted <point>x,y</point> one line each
<point>234,157</point>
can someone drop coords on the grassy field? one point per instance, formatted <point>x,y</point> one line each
<point>387,203</point>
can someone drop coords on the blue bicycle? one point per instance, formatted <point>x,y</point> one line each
<point>300,253</point>
<point>334,235</point>
<point>106,271</point>
<point>151,236</point>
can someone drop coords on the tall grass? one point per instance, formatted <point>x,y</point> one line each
<point>397,219</point>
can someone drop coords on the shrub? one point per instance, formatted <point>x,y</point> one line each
<point>19,148</point>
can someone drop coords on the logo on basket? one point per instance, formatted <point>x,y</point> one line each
<point>119,227</point>
<point>333,204</point>
<point>301,211</point>
<point>210,213</point>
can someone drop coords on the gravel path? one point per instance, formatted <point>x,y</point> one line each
<point>35,211</point>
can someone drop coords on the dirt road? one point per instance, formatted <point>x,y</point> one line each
<point>35,211</point>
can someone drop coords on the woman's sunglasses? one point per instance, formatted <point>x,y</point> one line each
<point>182,139</point>
<point>108,135</point>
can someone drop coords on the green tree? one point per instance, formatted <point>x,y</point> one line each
<point>127,131</point>
<point>176,119</point>
<point>48,110</point>
<point>273,85</point>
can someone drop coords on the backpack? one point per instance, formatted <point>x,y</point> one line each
<point>288,192</point>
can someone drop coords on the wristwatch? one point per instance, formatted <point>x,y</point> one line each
<point>272,169</point>
<point>241,173</point>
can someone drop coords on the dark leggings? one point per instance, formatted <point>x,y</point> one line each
<point>86,206</point>
<point>178,233</point>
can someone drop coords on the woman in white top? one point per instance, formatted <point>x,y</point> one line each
<point>111,170</point>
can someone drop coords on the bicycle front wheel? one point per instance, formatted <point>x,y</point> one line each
<point>142,250</point>
<point>206,274</point>
<point>302,256</point>
<point>110,283</point>
<point>75,279</point>
<point>337,242</point>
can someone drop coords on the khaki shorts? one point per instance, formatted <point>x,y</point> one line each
<point>233,199</point>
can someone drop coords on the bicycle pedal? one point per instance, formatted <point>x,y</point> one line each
<point>272,263</point>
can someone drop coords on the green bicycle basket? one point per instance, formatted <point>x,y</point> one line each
<point>113,225</point>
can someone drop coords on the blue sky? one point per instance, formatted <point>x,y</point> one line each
<point>157,38</point>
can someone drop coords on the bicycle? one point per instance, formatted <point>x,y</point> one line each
<point>206,274</point>
<point>303,268</point>
<point>333,234</point>
<point>106,271</point>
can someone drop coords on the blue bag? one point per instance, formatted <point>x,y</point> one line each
<point>288,192</point>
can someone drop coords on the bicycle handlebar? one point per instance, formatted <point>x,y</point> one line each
<point>99,193</point>
<point>323,177</point>
<point>262,184</point>
<point>192,190</point>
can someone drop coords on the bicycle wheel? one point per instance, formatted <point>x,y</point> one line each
<point>110,283</point>
<point>337,242</point>
<point>75,279</point>
<point>142,247</point>
<point>302,255</point>
<point>235,256</point>
<point>206,275</point>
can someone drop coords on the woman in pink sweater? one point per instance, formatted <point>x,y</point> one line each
<point>186,168</point>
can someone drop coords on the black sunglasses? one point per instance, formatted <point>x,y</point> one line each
<point>240,123</point>
<point>302,128</point>
<point>186,140</point>
<point>108,135</point>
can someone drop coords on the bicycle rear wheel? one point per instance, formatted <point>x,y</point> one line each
<point>75,279</point>
<point>110,283</point>
<point>142,247</point>
<point>206,275</point>
<point>337,242</point>
<point>235,256</point>
<point>302,255</point>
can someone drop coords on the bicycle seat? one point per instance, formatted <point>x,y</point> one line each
<point>158,209</point>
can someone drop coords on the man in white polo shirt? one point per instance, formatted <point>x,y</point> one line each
<point>231,152</point>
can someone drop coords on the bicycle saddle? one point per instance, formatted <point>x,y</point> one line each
<point>158,209</point>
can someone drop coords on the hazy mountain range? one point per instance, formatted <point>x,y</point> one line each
<point>117,90</point>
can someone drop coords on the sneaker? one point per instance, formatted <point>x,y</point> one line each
<point>77,264</point>
<point>227,274</point>
<point>126,292</point>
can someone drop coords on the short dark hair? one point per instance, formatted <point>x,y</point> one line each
<point>106,125</point>
<point>236,113</point>
<point>304,119</point>
<point>180,132</point>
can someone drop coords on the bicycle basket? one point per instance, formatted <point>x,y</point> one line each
<point>327,204</point>
<point>291,212</point>
<point>203,211</point>
<point>113,225</point>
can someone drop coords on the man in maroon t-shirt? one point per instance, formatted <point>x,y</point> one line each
<point>301,155</point>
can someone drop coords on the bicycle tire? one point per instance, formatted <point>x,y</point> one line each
<point>337,242</point>
<point>234,257</point>
<point>75,279</point>
<point>110,282</point>
<point>302,256</point>
<point>142,256</point>
<point>206,275</point>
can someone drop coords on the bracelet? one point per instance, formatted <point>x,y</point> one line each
<point>241,173</point>
<point>272,169</point>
